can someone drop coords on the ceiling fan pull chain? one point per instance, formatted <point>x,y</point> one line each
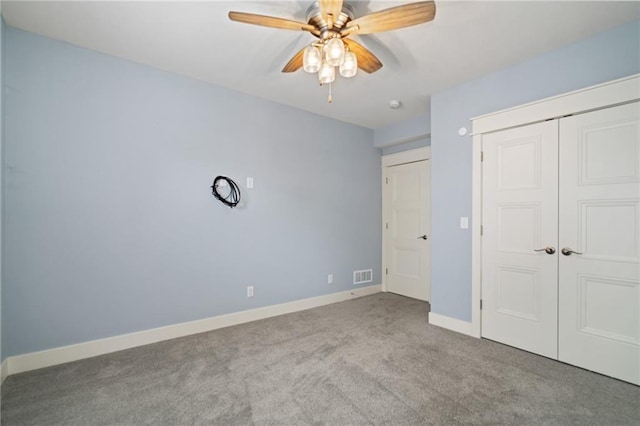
<point>330,99</point>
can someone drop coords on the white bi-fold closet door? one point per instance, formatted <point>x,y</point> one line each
<point>561,239</point>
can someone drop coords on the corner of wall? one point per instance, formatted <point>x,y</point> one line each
<point>4,370</point>
<point>452,324</point>
<point>2,138</point>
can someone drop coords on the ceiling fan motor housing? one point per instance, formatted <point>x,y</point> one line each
<point>314,17</point>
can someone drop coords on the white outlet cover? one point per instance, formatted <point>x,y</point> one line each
<point>249,182</point>
<point>330,279</point>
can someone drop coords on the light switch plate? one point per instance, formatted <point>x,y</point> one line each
<point>464,223</point>
<point>249,182</point>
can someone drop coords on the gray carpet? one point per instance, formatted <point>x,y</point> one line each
<point>373,360</point>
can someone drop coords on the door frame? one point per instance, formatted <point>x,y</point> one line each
<point>620,91</point>
<point>410,156</point>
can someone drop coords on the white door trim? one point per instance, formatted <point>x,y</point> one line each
<point>410,156</point>
<point>604,95</point>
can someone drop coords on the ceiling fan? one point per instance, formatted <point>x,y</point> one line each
<point>332,22</point>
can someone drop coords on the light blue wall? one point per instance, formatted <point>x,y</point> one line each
<point>406,146</point>
<point>407,131</point>
<point>111,225</point>
<point>607,56</point>
<point>405,135</point>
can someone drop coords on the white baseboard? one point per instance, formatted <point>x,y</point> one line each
<point>4,370</point>
<point>452,324</point>
<point>63,354</point>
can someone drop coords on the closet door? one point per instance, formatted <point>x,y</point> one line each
<point>599,283</point>
<point>519,243</point>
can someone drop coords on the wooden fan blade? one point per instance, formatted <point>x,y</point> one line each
<point>330,7</point>
<point>295,63</point>
<point>270,21</point>
<point>367,61</point>
<point>393,18</point>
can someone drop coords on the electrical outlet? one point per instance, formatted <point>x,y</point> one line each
<point>330,279</point>
<point>250,291</point>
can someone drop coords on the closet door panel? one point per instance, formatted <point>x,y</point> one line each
<point>520,216</point>
<point>599,284</point>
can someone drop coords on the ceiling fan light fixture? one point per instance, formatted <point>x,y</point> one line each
<point>312,59</point>
<point>334,51</point>
<point>333,22</point>
<point>327,73</point>
<point>349,67</point>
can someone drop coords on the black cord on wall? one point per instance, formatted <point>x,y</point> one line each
<point>232,198</point>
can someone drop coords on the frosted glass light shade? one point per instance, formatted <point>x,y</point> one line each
<point>326,74</point>
<point>349,67</point>
<point>334,52</point>
<point>311,59</point>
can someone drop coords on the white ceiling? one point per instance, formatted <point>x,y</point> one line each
<point>196,39</point>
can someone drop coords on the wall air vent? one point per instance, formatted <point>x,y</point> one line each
<point>363,276</point>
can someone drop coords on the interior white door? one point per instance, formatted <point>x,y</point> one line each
<point>599,292</point>
<point>408,228</point>
<point>519,219</point>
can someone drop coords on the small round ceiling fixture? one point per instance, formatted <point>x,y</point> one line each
<point>395,104</point>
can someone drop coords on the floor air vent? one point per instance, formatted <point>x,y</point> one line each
<point>363,276</point>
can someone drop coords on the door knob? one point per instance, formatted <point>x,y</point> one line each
<point>548,250</point>
<point>568,252</point>
<point>424,237</point>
